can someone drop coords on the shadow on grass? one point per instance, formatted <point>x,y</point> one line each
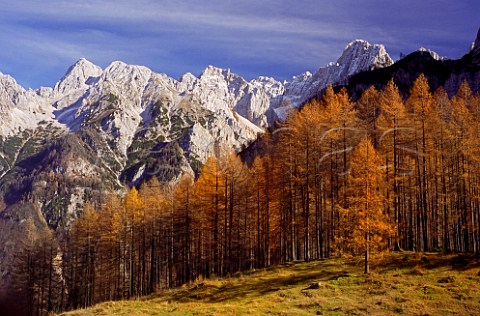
<point>429,261</point>
<point>299,274</point>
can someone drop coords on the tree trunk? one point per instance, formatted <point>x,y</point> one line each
<point>367,256</point>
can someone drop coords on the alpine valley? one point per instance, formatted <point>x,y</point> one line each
<point>102,130</point>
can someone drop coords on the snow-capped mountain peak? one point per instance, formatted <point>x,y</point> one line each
<point>20,109</point>
<point>212,71</point>
<point>360,55</point>
<point>78,76</point>
<point>272,87</point>
<point>434,55</point>
<point>214,76</point>
<point>10,92</point>
<point>357,56</point>
<point>122,73</point>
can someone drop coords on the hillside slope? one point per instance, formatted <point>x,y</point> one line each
<point>401,283</point>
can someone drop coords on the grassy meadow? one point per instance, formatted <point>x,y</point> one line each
<point>402,283</point>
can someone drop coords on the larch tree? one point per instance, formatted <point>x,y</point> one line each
<point>304,129</point>
<point>209,192</point>
<point>465,129</point>
<point>262,203</point>
<point>393,124</point>
<point>134,237</point>
<point>368,110</point>
<point>156,205</point>
<point>234,175</point>
<point>35,277</point>
<point>184,227</point>
<point>420,103</point>
<point>367,201</point>
<point>84,257</point>
<point>110,256</point>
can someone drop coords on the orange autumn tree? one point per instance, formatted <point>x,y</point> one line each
<point>367,201</point>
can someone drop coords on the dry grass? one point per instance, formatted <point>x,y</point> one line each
<point>401,283</point>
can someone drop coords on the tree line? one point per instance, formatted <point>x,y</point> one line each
<point>384,172</point>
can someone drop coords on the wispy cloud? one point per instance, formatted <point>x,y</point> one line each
<point>251,37</point>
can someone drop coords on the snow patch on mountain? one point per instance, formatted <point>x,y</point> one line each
<point>21,109</point>
<point>74,84</point>
<point>434,55</point>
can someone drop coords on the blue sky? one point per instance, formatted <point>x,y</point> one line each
<point>40,39</point>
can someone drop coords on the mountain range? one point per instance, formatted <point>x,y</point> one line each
<point>124,124</point>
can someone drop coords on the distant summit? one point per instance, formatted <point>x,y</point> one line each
<point>77,76</point>
<point>440,72</point>
<point>476,45</point>
<point>432,53</point>
<point>358,56</point>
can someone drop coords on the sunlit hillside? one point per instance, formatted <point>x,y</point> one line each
<point>401,283</point>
